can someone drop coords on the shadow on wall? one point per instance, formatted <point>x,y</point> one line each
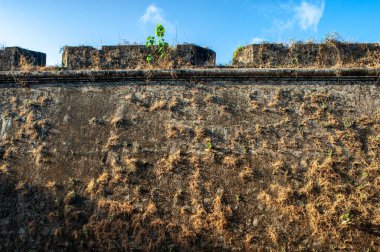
<point>65,217</point>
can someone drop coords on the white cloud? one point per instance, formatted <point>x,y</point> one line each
<point>153,15</point>
<point>305,14</point>
<point>257,40</point>
<point>308,15</point>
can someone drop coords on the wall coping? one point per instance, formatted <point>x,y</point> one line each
<point>20,79</point>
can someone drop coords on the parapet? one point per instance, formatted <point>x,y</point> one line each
<point>16,58</point>
<point>308,55</point>
<point>134,57</point>
<point>331,54</point>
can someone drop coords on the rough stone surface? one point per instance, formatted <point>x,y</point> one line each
<point>81,57</point>
<point>134,56</point>
<point>190,166</point>
<point>16,58</point>
<point>308,55</point>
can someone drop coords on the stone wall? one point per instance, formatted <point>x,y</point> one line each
<point>134,56</point>
<point>169,160</point>
<point>308,55</point>
<point>331,54</point>
<point>16,58</point>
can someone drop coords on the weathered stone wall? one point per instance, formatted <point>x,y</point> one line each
<point>134,56</point>
<point>278,161</point>
<point>16,58</point>
<point>332,54</point>
<point>308,55</point>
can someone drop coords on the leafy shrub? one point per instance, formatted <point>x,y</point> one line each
<point>158,41</point>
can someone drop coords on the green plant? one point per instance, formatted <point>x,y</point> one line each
<point>209,145</point>
<point>159,41</point>
<point>237,51</point>
<point>149,58</point>
<point>150,41</point>
<point>347,216</point>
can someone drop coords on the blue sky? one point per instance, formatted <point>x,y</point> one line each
<point>222,25</point>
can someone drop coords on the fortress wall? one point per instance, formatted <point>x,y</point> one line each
<point>190,159</point>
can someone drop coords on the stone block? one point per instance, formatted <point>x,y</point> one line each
<point>80,57</point>
<point>16,58</point>
<point>308,55</point>
<point>134,57</point>
<point>123,57</point>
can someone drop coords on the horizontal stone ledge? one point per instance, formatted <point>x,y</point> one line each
<point>214,74</point>
<point>305,55</point>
